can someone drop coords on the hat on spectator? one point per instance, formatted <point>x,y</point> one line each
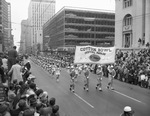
<point>45,94</point>
<point>29,112</point>
<point>128,109</point>
<point>31,77</point>
<point>23,97</point>
<point>43,97</point>
<point>3,108</point>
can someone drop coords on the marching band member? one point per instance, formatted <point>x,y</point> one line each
<point>111,76</point>
<point>57,72</point>
<point>49,68</point>
<point>99,72</point>
<point>72,79</point>
<point>86,78</point>
<point>76,73</point>
<point>68,68</point>
<point>53,69</point>
<point>80,69</point>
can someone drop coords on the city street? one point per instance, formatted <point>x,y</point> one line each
<point>110,37</point>
<point>92,103</point>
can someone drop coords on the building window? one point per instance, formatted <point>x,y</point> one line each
<point>127,20</point>
<point>127,3</point>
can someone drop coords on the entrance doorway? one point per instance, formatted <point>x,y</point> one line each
<point>127,40</point>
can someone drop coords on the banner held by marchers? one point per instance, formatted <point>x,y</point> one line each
<point>94,55</point>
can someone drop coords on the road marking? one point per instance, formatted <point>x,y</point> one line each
<point>128,96</point>
<point>83,100</point>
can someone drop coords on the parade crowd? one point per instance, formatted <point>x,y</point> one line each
<point>130,67</point>
<point>134,67</point>
<point>22,97</point>
<point>19,94</point>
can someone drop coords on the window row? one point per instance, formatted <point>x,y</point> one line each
<point>92,14</point>
<point>88,35</point>
<point>94,22</point>
<point>90,29</point>
<point>87,42</point>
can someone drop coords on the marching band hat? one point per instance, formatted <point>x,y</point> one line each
<point>99,66</point>
<point>72,67</point>
<point>111,66</point>
<point>85,66</point>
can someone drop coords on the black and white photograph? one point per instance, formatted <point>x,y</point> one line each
<point>74,57</point>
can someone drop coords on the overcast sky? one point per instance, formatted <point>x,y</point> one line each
<point>20,10</point>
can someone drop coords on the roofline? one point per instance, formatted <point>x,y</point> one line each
<point>79,8</point>
<point>88,9</point>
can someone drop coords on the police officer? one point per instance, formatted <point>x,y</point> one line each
<point>127,111</point>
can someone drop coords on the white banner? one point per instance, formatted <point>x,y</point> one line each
<point>96,55</point>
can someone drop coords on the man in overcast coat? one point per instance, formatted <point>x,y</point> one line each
<point>12,55</point>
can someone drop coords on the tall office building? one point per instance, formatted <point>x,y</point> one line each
<point>4,25</point>
<point>9,20</point>
<point>24,37</point>
<point>72,27</point>
<point>10,36</point>
<point>39,12</point>
<point>132,23</point>
<point>25,42</point>
<point>1,28</point>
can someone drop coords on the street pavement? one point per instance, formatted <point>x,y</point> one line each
<point>92,103</point>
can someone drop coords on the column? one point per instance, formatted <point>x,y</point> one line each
<point>130,40</point>
<point>147,21</point>
<point>123,40</point>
